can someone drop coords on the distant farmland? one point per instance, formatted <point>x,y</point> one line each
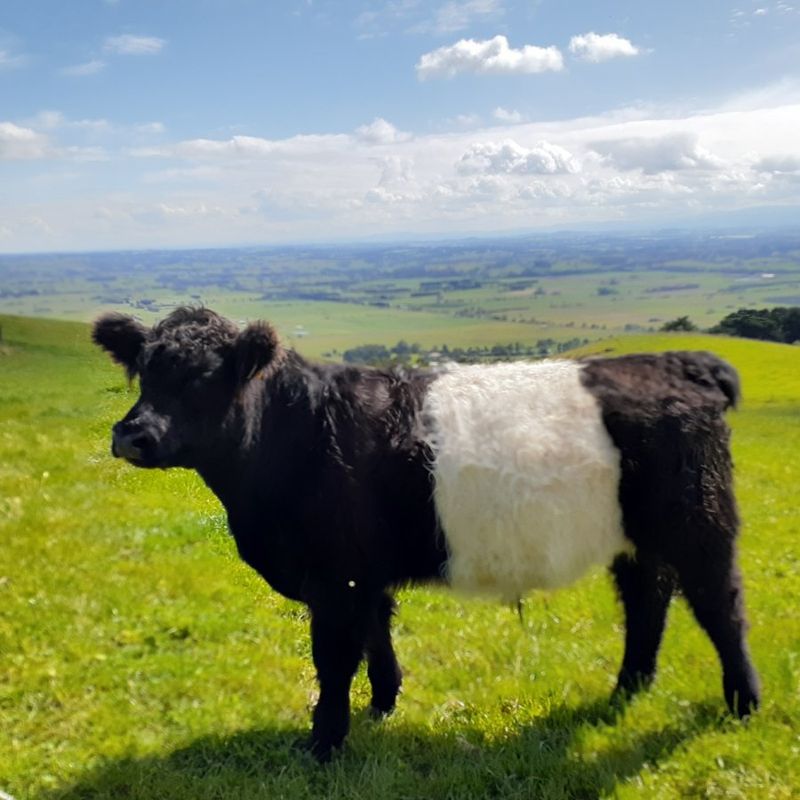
<point>460,294</point>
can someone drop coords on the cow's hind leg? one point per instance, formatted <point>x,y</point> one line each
<point>645,587</point>
<point>383,670</point>
<point>711,580</point>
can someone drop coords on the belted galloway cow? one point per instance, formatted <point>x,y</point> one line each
<point>343,483</point>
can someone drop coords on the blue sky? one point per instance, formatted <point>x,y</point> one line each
<point>148,123</point>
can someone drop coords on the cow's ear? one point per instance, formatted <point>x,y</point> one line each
<point>257,347</point>
<point>121,336</point>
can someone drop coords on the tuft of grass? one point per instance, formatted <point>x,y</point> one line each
<point>140,659</point>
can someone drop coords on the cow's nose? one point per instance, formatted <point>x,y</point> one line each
<point>131,442</point>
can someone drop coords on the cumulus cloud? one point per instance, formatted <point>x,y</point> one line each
<point>671,152</point>
<point>77,130</point>
<point>777,165</point>
<point>248,148</point>
<point>510,158</point>
<point>633,164</point>
<point>379,131</point>
<point>506,115</point>
<point>397,183</point>
<point>129,45</point>
<point>596,47</point>
<point>17,144</point>
<point>488,57</point>
<point>396,171</point>
<point>236,146</point>
<point>50,120</point>
<point>87,68</point>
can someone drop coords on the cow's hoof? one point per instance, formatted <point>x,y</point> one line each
<point>377,713</point>
<point>309,746</point>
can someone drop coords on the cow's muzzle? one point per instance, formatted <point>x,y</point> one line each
<point>135,443</point>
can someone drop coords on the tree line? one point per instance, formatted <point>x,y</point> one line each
<point>404,353</point>
<point>778,324</point>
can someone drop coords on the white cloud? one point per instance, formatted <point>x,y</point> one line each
<point>376,22</point>
<point>23,144</point>
<point>87,68</point>
<point>508,157</point>
<point>129,45</point>
<point>637,164</point>
<point>200,210</point>
<point>396,171</point>
<point>488,57</point>
<point>248,148</point>
<point>203,173</point>
<point>415,16</point>
<point>17,144</point>
<point>670,152</point>
<point>151,127</point>
<point>91,125</point>
<point>49,134</point>
<point>457,15</point>
<point>465,120</point>
<point>595,47</point>
<point>397,183</point>
<point>379,131</point>
<point>778,164</point>
<point>48,120</point>
<point>84,154</point>
<point>10,61</point>
<point>506,115</point>
<point>33,225</point>
<point>236,146</point>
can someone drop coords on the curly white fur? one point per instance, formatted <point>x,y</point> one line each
<point>526,476</point>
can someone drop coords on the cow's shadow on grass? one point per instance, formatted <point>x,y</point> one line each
<point>548,758</point>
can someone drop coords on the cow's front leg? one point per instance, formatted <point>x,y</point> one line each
<point>338,633</point>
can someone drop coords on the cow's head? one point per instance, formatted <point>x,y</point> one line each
<point>193,367</point>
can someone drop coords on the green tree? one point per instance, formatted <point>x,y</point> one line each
<point>789,323</point>
<point>752,323</point>
<point>679,324</point>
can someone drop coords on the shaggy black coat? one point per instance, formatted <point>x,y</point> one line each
<point>325,476</point>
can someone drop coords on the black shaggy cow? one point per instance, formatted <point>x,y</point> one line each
<point>343,483</point>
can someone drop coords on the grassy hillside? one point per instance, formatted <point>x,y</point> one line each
<point>140,659</point>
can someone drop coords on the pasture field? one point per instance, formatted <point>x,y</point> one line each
<point>140,659</point>
<point>558,307</point>
<point>462,294</point>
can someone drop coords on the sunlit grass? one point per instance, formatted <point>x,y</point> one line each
<point>140,659</point>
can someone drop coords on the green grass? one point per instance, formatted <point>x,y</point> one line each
<point>140,659</point>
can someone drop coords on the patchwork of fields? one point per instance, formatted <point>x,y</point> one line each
<point>140,659</point>
<point>459,294</point>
